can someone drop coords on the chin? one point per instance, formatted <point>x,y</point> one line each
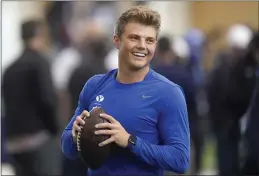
<point>137,67</point>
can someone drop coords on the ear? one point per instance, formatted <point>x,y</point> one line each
<point>116,41</point>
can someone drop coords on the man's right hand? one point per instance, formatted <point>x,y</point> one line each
<point>77,123</point>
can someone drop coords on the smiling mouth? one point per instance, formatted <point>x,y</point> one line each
<point>139,54</point>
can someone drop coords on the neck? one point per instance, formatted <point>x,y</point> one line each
<point>129,76</point>
<point>33,47</point>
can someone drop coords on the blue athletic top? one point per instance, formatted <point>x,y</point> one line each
<point>154,110</point>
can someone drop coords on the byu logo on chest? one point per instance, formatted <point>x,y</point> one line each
<point>99,98</point>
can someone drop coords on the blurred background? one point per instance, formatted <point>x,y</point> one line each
<point>55,46</point>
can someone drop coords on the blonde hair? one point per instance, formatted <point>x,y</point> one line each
<point>139,14</point>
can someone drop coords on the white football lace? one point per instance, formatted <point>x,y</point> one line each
<point>78,137</point>
<point>78,140</point>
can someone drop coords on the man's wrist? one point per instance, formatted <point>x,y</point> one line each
<point>132,141</point>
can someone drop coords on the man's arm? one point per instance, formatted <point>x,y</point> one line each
<point>67,143</point>
<point>173,128</point>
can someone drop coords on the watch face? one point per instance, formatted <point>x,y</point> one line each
<point>132,140</point>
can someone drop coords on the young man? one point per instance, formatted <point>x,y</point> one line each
<point>148,113</point>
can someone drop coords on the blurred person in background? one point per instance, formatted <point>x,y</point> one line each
<point>60,15</point>
<point>251,165</point>
<point>196,40</point>
<point>6,160</point>
<point>4,156</point>
<point>90,52</point>
<point>230,87</point>
<point>64,64</point>
<point>173,59</point>
<point>30,105</point>
<point>70,58</point>
<point>6,167</point>
<point>92,63</point>
<point>111,60</point>
<point>163,54</point>
<point>54,14</point>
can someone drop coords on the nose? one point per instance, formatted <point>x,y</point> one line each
<point>141,45</point>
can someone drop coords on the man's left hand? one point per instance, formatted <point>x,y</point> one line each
<point>118,134</point>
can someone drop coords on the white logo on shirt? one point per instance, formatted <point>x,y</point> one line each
<point>146,96</point>
<point>99,98</point>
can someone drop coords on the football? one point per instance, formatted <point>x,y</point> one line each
<point>87,142</point>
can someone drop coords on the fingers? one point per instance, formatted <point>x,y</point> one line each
<point>75,128</point>
<point>79,121</point>
<point>76,125</point>
<point>106,132</point>
<point>73,133</point>
<point>108,117</point>
<point>107,141</point>
<point>106,125</point>
<point>85,114</point>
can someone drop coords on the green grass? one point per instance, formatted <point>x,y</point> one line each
<point>209,158</point>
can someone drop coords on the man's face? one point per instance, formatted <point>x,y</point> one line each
<point>136,45</point>
<point>40,40</point>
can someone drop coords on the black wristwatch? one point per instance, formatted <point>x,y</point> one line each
<point>132,141</point>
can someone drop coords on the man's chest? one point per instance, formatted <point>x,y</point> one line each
<point>135,110</point>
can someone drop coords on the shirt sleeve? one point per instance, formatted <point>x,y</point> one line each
<point>173,127</point>
<point>67,143</point>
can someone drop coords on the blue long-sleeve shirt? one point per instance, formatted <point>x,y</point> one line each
<point>154,110</point>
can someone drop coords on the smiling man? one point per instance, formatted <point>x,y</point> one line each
<point>148,113</point>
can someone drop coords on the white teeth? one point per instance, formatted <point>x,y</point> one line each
<point>139,54</point>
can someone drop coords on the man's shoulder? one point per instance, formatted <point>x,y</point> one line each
<point>18,64</point>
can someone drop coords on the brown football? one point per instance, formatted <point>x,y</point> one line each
<point>87,142</point>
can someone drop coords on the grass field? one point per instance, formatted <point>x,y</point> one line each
<point>209,157</point>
